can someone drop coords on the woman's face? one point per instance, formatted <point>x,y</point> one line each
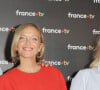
<point>29,43</point>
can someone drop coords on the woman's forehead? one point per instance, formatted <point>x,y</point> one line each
<point>30,30</point>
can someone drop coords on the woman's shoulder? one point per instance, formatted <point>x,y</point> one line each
<point>8,73</point>
<point>87,71</point>
<point>51,69</point>
<point>80,78</point>
<point>84,72</point>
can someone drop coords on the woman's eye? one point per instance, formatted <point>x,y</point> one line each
<point>34,39</point>
<point>21,38</point>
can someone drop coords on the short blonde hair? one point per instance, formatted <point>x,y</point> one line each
<point>18,30</point>
<point>96,60</point>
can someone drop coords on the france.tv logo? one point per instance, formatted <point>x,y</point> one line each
<point>95,32</point>
<point>57,62</point>
<point>55,31</point>
<point>84,48</point>
<point>4,29</point>
<point>25,13</point>
<point>96,1</point>
<point>81,16</point>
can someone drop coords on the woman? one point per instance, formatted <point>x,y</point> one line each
<point>89,79</point>
<point>28,48</point>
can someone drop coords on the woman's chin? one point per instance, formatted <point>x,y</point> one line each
<point>27,55</point>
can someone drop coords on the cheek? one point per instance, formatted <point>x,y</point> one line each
<point>20,45</point>
<point>37,46</point>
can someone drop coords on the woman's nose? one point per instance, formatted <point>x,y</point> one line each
<point>28,42</point>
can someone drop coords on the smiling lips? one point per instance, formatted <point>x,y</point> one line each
<point>28,49</point>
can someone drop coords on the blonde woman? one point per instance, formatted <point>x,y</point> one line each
<point>28,48</point>
<point>89,79</point>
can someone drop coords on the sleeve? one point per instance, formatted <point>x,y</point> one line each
<point>79,81</point>
<point>4,84</point>
<point>62,82</point>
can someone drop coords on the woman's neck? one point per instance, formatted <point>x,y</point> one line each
<point>28,65</point>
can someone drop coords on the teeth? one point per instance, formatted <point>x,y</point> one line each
<point>28,49</point>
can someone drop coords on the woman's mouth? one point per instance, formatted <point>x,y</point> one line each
<point>28,49</point>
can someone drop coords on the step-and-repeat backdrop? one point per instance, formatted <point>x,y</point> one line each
<point>69,27</point>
